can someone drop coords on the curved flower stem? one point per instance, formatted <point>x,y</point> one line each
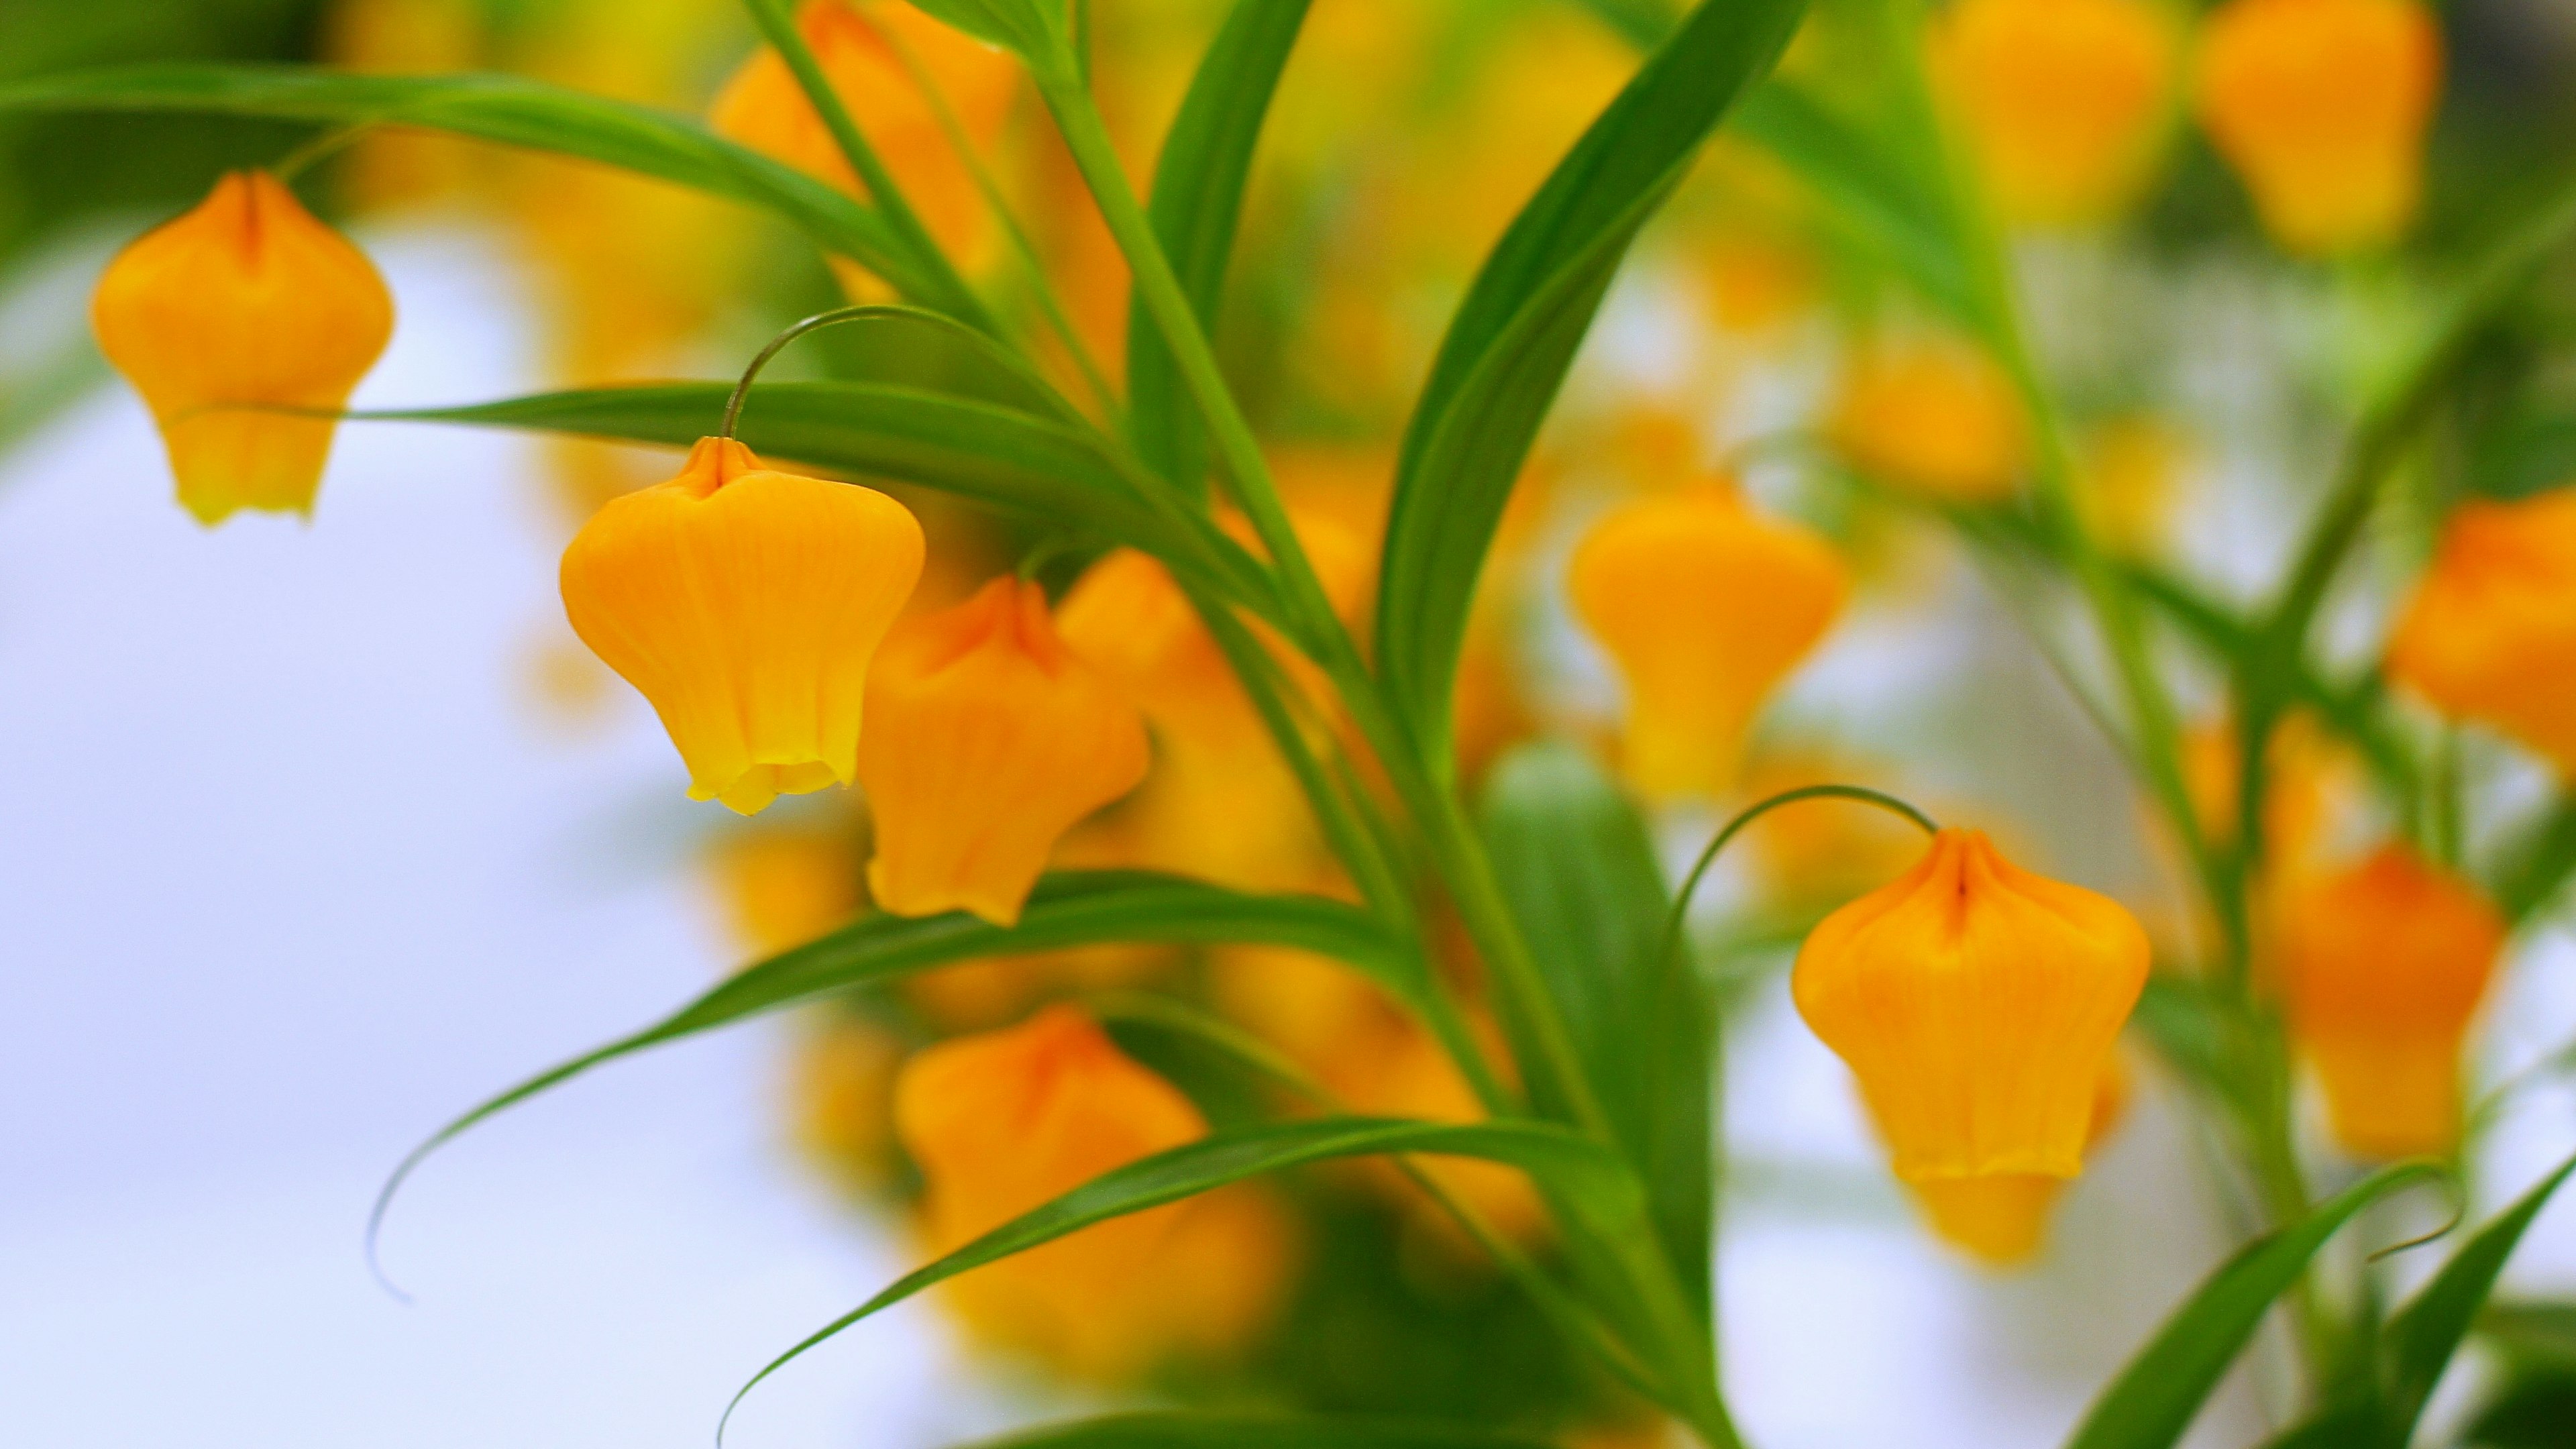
<point>296,162</point>
<point>1668,944</point>
<point>778,344</point>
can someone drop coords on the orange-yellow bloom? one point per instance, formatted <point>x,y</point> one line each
<point>2490,633</point>
<point>246,302</point>
<point>864,52</point>
<point>1976,1003</point>
<point>1005,1121</point>
<point>987,739</point>
<point>2001,1220</point>
<point>2321,106</point>
<point>2061,100</point>
<point>745,604</point>
<point>2381,969</point>
<point>1942,421</point>
<point>1706,606</point>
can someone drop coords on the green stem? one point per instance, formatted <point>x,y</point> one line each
<point>1050,305</point>
<point>296,162</point>
<point>778,344</point>
<point>1470,877</point>
<point>778,26</point>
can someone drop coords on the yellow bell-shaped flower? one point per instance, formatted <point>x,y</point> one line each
<point>2061,100</point>
<point>1706,606</point>
<point>2490,633</point>
<point>1975,1002</point>
<point>246,302</point>
<point>1005,1121</point>
<point>868,53</point>
<point>745,604</point>
<point>2321,106</point>
<point>1938,420</point>
<point>2001,1220</point>
<point>986,740</point>
<point>2381,969</point>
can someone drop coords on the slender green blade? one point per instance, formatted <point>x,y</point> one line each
<point>1196,206</point>
<point>1577,1171</point>
<point>2155,1398</point>
<point>1051,473</point>
<point>2538,865</point>
<point>2425,1333</point>
<point>1235,1431</point>
<point>1067,909</point>
<point>1575,860</point>
<point>1030,28</point>
<point>510,111</point>
<point>1514,338</point>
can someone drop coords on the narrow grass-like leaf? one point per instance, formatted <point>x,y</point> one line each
<point>2155,1398</point>
<point>1196,205</point>
<point>1578,1172</point>
<point>2425,1333</point>
<point>1032,28</point>
<point>1574,859</point>
<point>1067,909</point>
<point>1048,472</point>
<point>1178,1430</point>
<point>510,111</point>
<point>2537,866</point>
<point>1509,346</point>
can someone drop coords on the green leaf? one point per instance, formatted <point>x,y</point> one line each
<point>2155,1398</point>
<point>1876,205</point>
<point>1579,1173</point>
<point>511,111</point>
<point>1196,206</point>
<point>2425,1333</point>
<point>1237,1431</point>
<point>1574,859</point>
<point>1067,909</point>
<point>1049,472</point>
<point>1034,29</point>
<point>1509,346</point>
<point>2537,865</point>
<point>2540,1336</point>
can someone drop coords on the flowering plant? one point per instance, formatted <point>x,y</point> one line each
<point>1261,721</point>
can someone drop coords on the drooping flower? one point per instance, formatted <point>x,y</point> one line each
<point>1003,1122</point>
<point>2061,100</point>
<point>2002,1219</point>
<point>2381,968</point>
<point>1939,420</point>
<point>246,302</point>
<point>864,51</point>
<point>1706,606</point>
<point>745,604</point>
<point>1975,1002</point>
<point>987,740</point>
<point>2490,633</point>
<point>2321,106</point>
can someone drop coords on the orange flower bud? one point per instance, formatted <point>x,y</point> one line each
<point>2321,106</point>
<point>1126,618</point>
<point>2490,634</point>
<point>2001,1220</point>
<point>863,52</point>
<point>2382,966</point>
<point>1706,606</point>
<point>745,603</point>
<point>1975,1002</point>
<point>1003,1122</point>
<point>987,740</point>
<point>246,302</point>
<point>2060,100</point>
<point>1940,421</point>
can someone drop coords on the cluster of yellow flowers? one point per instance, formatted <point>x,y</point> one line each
<point>782,628</point>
